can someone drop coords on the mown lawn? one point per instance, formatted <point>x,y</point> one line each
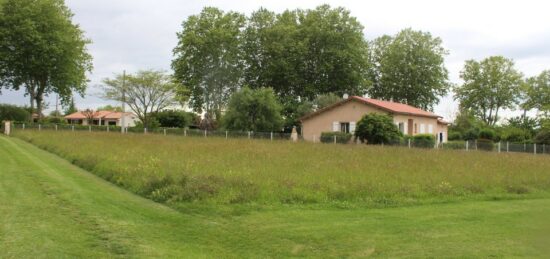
<point>53,209</point>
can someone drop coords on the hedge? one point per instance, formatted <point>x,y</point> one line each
<point>341,137</point>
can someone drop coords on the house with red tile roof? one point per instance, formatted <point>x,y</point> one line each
<point>344,115</point>
<point>102,118</point>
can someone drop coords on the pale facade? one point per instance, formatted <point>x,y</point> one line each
<point>344,115</point>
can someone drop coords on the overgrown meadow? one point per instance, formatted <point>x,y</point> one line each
<point>176,169</point>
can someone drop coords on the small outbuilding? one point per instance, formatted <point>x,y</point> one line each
<point>343,116</point>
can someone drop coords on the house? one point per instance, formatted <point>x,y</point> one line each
<point>102,118</point>
<point>344,115</point>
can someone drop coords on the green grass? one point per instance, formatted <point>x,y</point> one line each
<point>215,171</point>
<point>52,209</point>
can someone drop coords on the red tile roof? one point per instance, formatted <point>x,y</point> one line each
<point>97,115</point>
<point>391,107</point>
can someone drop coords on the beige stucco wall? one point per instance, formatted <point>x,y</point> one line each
<point>353,111</point>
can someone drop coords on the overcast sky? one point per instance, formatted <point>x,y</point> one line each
<point>140,34</point>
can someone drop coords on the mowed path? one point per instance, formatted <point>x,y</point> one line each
<point>52,209</point>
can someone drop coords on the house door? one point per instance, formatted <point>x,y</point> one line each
<point>410,127</point>
<point>440,137</point>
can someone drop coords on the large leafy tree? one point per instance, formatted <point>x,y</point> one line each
<point>537,93</point>
<point>42,51</point>
<point>253,110</point>
<point>305,53</point>
<point>489,86</point>
<point>208,59</point>
<point>145,92</point>
<point>409,68</point>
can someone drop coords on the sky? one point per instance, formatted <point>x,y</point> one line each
<point>140,34</point>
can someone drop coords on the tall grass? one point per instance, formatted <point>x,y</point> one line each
<point>176,169</point>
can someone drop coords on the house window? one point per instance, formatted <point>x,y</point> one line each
<point>430,128</point>
<point>422,128</point>
<point>112,123</point>
<point>401,126</point>
<point>344,127</point>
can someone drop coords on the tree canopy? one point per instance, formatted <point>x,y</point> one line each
<point>42,51</point>
<point>253,110</point>
<point>489,86</point>
<point>409,68</point>
<point>145,92</point>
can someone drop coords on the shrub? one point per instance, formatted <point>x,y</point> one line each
<point>455,136</point>
<point>471,134</point>
<point>13,113</point>
<point>423,141</point>
<point>487,134</point>
<point>175,118</point>
<point>454,145</point>
<point>513,134</point>
<point>377,129</point>
<point>543,137</point>
<point>485,144</point>
<point>341,137</point>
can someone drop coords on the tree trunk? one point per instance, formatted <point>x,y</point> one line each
<point>39,101</point>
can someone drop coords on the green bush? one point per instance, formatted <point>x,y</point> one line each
<point>455,136</point>
<point>487,134</point>
<point>485,144</point>
<point>543,137</point>
<point>454,145</point>
<point>175,118</point>
<point>341,137</point>
<point>471,134</point>
<point>423,141</point>
<point>377,129</point>
<point>513,134</point>
<point>13,113</point>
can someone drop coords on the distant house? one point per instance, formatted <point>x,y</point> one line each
<point>344,115</point>
<point>103,118</point>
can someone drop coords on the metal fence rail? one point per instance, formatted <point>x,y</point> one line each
<point>469,145</point>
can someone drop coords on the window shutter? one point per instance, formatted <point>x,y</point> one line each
<point>352,127</point>
<point>336,126</point>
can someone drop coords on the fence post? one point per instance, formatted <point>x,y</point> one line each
<point>499,146</point>
<point>507,146</point>
<point>90,128</point>
<point>467,145</point>
<point>108,128</point>
<point>72,127</point>
<point>164,132</point>
<point>249,135</point>
<point>409,143</point>
<point>272,136</point>
<point>535,148</point>
<point>226,134</point>
<point>39,127</point>
<point>55,127</point>
<point>334,139</point>
<point>23,126</point>
<point>185,132</point>
<point>544,148</point>
<point>475,142</point>
<point>205,133</point>
<point>524,147</point>
<point>144,130</point>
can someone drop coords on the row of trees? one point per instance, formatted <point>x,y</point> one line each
<point>300,55</point>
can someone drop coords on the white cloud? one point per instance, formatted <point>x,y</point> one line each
<point>140,34</point>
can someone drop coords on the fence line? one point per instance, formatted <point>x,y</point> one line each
<point>467,145</point>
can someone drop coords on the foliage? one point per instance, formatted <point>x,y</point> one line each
<point>325,100</point>
<point>513,134</point>
<point>487,134</point>
<point>42,51</point>
<point>523,122</point>
<point>70,107</point>
<point>89,114</point>
<point>537,92</point>
<point>423,141</point>
<point>489,86</point>
<point>543,137</point>
<point>456,144</point>
<point>253,110</point>
<point>341,137</point>
<point>13,113</point>
<point>409,68</point>
<point>304,53</point>
<point>146,92</point>
<point>471,134</point>
<point>110,108</point>
<point>376,128</point>
<point>453,135</point>
<point>176,118</point>
<point>207,59</point>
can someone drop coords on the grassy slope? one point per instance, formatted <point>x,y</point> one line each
<point>50,208</point>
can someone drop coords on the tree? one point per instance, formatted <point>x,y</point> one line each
<point>42,51</point>
<point>489,86</point>
<point>537,93</point>
<point>109,107</point>
<point>145,92</point>
<point>208,59</point>
<point>175,118</point>
<point>409,68</point>
<point>13,113</point>
<point>253,110</point>
<point>89,114</point>
<point>325,100</point>
<point>376,128</point>
<point>71,107</point>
